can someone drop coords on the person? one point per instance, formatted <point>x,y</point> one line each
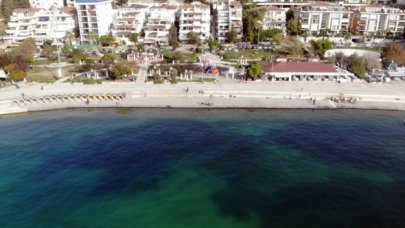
<point>42,88</point>
<point>23,95</point>
<point>314,100</point>
<point>87,101</point>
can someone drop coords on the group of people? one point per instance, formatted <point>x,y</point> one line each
<point>341,99</point>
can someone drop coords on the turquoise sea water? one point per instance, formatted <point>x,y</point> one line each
<point>198,168</point>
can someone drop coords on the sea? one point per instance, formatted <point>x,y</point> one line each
<point>158,168</point>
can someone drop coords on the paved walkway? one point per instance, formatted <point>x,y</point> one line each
<point>142,73</point>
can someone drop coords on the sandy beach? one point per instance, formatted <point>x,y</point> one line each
<point>293,95</point>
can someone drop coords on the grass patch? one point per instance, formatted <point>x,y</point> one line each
<point>249,54</point>
<point>48,75</point>
<point>180,56</point>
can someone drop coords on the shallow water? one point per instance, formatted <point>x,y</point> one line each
<point>199,168</point>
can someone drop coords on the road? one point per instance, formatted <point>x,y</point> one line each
<point>142,73</point>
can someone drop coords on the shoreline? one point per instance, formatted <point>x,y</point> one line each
<point>256,95</point>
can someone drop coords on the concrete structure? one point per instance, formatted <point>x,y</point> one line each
<point>227,16</point>
<point>195,17</point>
<point>160,20</point>
<point>289,71</point>
<point>378,20</point>
<point>275,18</point>
<point>140,57</point>
<point>40,24</point>
<point>129,20</point>
<point>323,15</point>
<point>46,4</point>
<point>94,16</point>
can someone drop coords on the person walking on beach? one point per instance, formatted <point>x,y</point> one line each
<point>314,101</point>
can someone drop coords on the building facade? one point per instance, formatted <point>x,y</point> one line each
<point>159,21</point>
<point>195,17</point>
<point>227,17</point>
<point>129,20</point>
<point>40,24</point>
<point>275,18</point>
<point>378,20</point>
<point>46,4</point>
<point>94,18</point>
<point>324,16</point>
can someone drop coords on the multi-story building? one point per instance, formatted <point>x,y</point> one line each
<point>160,19</point>
<point>130,19</point>
<point>94,17</point>
<point>227,17</point>
<point>40,24</point>
<point>275,18</point>
<point>46,4</point>
<point>195,17</point>
<point>378,20</point>
<point>324,16</point>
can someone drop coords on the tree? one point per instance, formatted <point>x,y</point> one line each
<point>194,38</point>
<point>105,40</point>
<point>133,37</point>
<point>173,37</point>
<point>293,27</point>
<point>254,70</point>
<point>108,59</point>
<point>357,65</point>
<point>8,6</point>
<point>232,36</point>
<point>289,15</point>
<point>279,38</point>
<point>393,52</point>
<point>305,34</point>
<point>92,37</point>
<point>49,52</point>
<point>371,64</point>
<point>213,44</point>
<point>321,46</point>
<point>270,33</point>
<point>69,37</point>
<point>119,70</point>
<point>27,47</point>
<point>17,75</point>
<point>354,28</point>
<point>252,18</point>
<point>140,47</point>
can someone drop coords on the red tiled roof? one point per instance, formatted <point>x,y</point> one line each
<point>196,5</point>
<point>295,67</point>
<point>68,10</point>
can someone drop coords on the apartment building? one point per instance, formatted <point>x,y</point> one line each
<point>275,18</point>
<point>378,20</point>
<point>94,17</point>
<point>46,4</point>
<point>323,15</point>
<point>227,16</point>
<point>158,23</point>
<point>130,19</point>
<point>195,17</point>
<point>40,24</point>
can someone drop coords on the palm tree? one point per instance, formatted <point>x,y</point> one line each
<point>69,37</point>
<point>92,37</point>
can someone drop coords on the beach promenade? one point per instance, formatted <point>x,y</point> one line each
<point>294,95</point>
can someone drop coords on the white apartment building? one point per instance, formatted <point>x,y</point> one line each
<point>322,15</point>
<point>94,16</point>
<point>130,19</point>
<point>46,4</point>
<point>158,24</point>
<point>195,17</point>
<point>40,24</point>
<point>275,18</point>
<point>378,19</point>
<point>227,16</point>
